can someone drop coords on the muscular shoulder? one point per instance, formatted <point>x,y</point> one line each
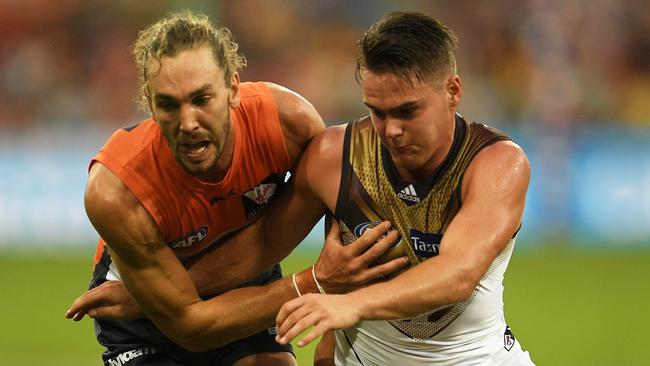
<point>105,191</point>
<point>502,167</point>
<point>299,119</point>
<point>114,211</point>
<point>328,144</point>
<point>321,163</point>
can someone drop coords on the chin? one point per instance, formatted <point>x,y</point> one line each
<point>197,170</point>
<point>408,162</point>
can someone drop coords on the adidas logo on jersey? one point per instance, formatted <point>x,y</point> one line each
<point>409,194</point>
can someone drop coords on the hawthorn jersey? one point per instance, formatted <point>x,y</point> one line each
<point>192,214</point>
<point>468,332</point>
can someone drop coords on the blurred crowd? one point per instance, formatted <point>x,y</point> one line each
<point>555,63</point>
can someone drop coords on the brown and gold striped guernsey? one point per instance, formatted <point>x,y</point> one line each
<point>371,191</point>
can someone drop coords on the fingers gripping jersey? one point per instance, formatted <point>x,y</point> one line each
<point>192,214</point>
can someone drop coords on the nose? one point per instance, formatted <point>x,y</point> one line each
<point>393,127</point>
<point>188,120</point>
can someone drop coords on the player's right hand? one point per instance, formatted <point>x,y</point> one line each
<point>343,268</point>
<point>110,300</point>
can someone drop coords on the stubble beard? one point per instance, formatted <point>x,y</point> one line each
<point>201,171</point>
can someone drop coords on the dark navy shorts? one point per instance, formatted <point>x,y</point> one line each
<point>139,342</point>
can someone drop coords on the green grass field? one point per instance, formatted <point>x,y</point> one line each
<point>567,307</point>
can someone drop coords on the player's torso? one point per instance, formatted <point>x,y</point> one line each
<point>192,214</point>
<point>196,213</point>
<point>371,191</point>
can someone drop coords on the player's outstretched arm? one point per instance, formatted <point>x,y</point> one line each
<point>493,192</point>
<point>150,270</point>
<point>159,283</point>
<point>300,122</point>
<point>340,269</point>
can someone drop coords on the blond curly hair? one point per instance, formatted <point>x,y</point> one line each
<point>181,31</point>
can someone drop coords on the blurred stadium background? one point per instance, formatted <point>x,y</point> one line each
<point>570,80</point>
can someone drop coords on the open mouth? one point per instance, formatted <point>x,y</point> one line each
<point>194,150</point>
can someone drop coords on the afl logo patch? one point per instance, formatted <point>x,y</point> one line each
<point>193,237</point>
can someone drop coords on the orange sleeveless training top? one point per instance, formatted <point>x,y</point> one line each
<point>192,214</point>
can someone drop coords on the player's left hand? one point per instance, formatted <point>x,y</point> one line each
<point>110,300</point>
<point>324,312</point>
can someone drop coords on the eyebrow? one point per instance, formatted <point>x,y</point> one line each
<point>192,95</point>
<point>395,109</point>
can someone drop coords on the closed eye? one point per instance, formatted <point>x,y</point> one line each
<point>406,113</point>
<point>379,114</point>
<point>167,105</point>
<point>201,100</point>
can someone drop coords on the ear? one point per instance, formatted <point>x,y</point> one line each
<point>233,95</point>
<point>454,90</point>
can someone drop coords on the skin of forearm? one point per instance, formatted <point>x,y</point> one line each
<point>210,280</point>
<point>161,302</point>
<point>440,281</point>
<point>430,285</point>
<point>208,268</point>
<point>235,314</point>
<point>266,246</point>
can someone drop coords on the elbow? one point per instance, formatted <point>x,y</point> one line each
<point>464,291</point>
<point>185,337</point>
<point>463,286</point>
<point>194,334</point>
<point>201,334</point>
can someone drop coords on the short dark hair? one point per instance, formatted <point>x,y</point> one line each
<point>408,44</point>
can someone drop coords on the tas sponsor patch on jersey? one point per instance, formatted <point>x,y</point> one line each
<point>425,245</point>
